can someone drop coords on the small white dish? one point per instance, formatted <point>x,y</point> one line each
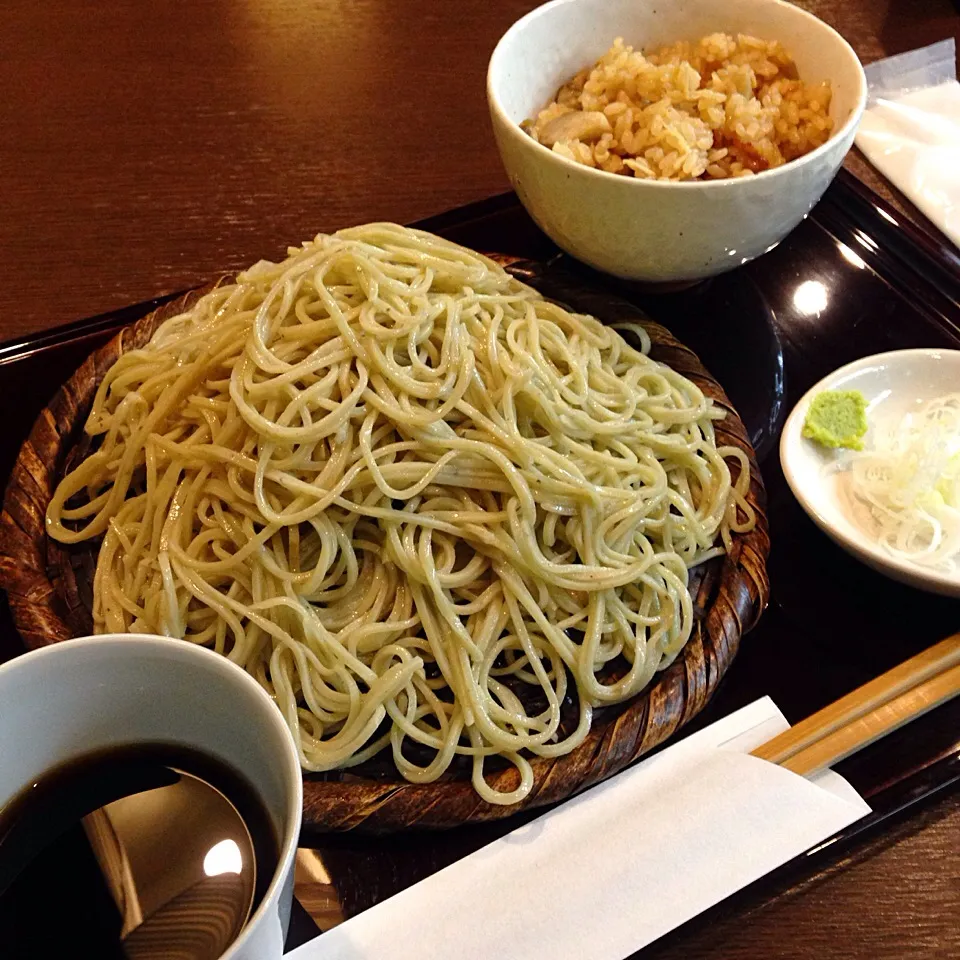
<point>893,384</point>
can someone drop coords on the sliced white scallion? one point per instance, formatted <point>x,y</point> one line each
<point>907,483</point>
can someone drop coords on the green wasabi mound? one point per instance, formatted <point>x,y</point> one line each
<point>837,418</point>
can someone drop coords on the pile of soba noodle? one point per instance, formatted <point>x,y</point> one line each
<point>419,503</point>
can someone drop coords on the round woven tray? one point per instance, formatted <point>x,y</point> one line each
<point>49,590</point>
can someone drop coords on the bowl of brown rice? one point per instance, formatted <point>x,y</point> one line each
<point>670,140</point>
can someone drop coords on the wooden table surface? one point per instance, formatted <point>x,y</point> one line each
<point>145,147</point>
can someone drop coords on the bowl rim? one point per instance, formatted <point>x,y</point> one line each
<point>862,546</point>
<point>147,647</point>
<point>849,126</point>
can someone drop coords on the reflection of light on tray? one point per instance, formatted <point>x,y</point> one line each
<point>851,256</point>
<point>886,216</point>
<point>810,297</point>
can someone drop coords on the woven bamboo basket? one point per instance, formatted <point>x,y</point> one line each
<point>49,587</point>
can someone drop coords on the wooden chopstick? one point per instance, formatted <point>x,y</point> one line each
<point>878,723</point>
<point>869,712</point>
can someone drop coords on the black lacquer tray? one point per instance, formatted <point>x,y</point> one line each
<point>851,280</point>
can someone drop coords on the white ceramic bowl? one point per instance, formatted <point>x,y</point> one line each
<point>80,696</point>
<point>662,231</point>
<point>893,384</point>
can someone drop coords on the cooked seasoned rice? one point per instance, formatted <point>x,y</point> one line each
<point>721,107</point>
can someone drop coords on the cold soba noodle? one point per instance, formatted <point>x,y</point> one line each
<point>412,498</point>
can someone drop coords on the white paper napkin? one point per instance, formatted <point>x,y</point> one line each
<point>910,130</point>
<point>609,871</point>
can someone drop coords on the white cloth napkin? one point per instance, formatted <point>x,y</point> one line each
<point>607,872</point>
<point>910,130</point>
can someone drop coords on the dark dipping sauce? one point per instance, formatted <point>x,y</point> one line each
<point>135,852</point>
